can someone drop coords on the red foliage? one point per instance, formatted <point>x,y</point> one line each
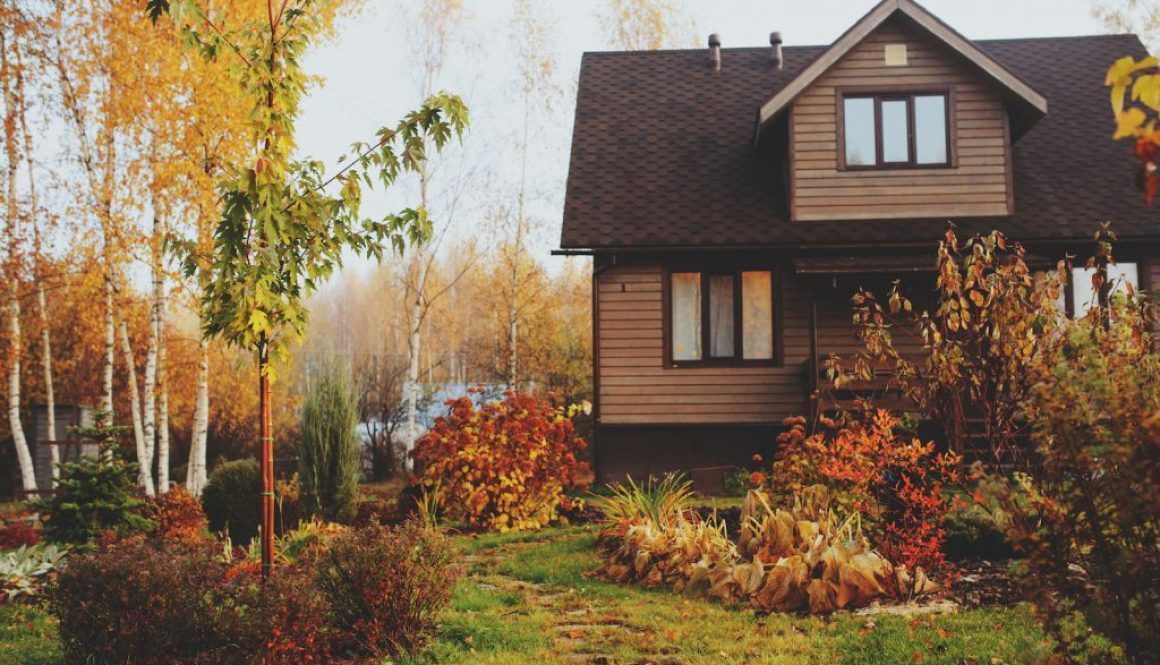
<point>291,625</point>
<point>898,485</point>
<point>18,534</point>
<point>386,586</point>
<point>1147,176</point>
<point>504,466</point>
<point>178,516</point>
<point>377,592</point>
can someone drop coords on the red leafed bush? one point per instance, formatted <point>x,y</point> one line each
<point>506,466</point>
<point>18,534</point>
<point>386,586</point>
<point>147,603</point>
<point>289,623</point>
<point>178,515</point>
<point>897,484</point>
<point>376,592</point>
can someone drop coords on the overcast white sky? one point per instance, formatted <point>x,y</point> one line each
<point>369,80</point>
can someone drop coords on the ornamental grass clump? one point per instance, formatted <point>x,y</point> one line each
<point>505,466</point>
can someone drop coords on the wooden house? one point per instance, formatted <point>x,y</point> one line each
<point>733,199</point>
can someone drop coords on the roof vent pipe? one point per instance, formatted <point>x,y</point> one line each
<point>715,51</point>
<point>775,50</point>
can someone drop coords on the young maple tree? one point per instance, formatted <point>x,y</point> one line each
<point>282,231</point>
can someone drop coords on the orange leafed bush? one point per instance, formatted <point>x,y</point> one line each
<point>505,466</point>
<point>178,515</point>
<point>871,469</point>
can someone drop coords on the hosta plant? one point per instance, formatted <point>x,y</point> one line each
<point>786,560</point>
<point>24,570</point>
<point>811,559</point>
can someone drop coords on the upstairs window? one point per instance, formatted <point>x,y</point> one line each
<point>721,316</point>
<point>882,131</point>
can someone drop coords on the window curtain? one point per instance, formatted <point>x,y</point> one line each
<point>721,316</point>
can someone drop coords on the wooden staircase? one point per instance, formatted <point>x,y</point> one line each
<point>827,398</point>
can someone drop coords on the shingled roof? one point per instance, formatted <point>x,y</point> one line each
<point>663,153</point>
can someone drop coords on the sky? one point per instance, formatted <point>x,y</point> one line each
<point>368,81</point>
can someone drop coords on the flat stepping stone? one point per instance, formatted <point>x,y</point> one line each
<point>943,606</point>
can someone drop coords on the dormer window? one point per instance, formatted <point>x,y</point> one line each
<point>886,130</point>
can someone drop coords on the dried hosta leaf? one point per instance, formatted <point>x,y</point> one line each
<point>784,588</point>
<point>823,596</point>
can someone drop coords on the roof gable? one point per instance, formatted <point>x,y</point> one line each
<point>1034,102</point>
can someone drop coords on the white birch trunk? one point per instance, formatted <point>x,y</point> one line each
<point>50,397</point>
<point>110,346</point>
<point>23,455</point>
<point>144,460</point>
<point>49,392</point>
<point>195,475</point>
<point>415,340</point>
<point>38,276</point>
<point>149,401</point>
<point>413,378</point>
<point>162,399</point>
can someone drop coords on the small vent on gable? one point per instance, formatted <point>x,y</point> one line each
<point>896,55</point>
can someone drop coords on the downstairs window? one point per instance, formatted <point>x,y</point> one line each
<point>723,316</point>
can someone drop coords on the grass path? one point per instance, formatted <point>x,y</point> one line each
<point>526,599</point>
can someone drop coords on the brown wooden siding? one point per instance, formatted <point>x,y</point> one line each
<point>977,185</point>
<point>636,387</point>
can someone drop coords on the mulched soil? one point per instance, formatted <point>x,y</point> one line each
<point>984,583</point>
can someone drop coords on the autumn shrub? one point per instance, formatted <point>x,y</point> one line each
<point>144,602</point>
<point>230,501</point>
<point>385,586</point>
<point>18,534</point>
<point>177,515</point>
<point>329,448</point>
<point>507,465</point>
<point>1088,517</point>
<point>898,485</point>
<point>286,621</point>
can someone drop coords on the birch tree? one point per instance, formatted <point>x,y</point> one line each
<point>438,21</point>
<point>78,54</point>
<point>14,267</point>
<point>646,25</point>
<point>538,91</point>
<point>40,223</point>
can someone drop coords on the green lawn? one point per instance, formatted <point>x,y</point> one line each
<point>27,637</point>
<point>525,599</point>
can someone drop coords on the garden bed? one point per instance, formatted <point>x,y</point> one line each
<point>527,598</point>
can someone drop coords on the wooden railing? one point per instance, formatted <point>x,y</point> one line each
<point>880,391</point>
